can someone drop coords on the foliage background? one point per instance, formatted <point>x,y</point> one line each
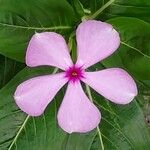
<point>122,127</point>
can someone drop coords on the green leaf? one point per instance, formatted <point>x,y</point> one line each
<point>19,20</point>
<point>134,52</point>
<point>8,69</point>
<point>19,131</point>
<point>128,8</point>
<point>122,127</point>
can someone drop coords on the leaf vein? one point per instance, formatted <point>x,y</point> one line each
<point>18,133</point>
<point>35,28</point>
<point>138,50</point>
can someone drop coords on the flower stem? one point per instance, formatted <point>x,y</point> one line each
<point>98,130</point>
<point>101,9</point>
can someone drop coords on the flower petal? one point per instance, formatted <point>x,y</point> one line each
<point>96,40</point>
<point>48,48</point>
<point>33,95</point>
<point>77,113</point>
<point>115,84</point>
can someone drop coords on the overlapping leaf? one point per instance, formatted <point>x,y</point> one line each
<point>122,127</point>
<point>134,51</point>
<point>19,20</point>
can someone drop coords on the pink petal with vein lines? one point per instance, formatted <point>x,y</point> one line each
<point>96,40</point>
<point>77,113</point>
<point>33,95</point>
<point>48,48</point>
<point>114,84</point>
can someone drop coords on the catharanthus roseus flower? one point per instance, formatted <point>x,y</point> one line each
<point>96,40</point>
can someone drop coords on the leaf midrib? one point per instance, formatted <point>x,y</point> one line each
<point>136,49</point>
<point>18,133</point>
<point>35,28</point>
<point>131,6</point>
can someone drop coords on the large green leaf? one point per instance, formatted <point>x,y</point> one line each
<point>122,127</point>
<point>18,131</point>
<point>134,51</point>
<point>19,20</point>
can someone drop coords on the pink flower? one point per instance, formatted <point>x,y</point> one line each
<point>96,40</point>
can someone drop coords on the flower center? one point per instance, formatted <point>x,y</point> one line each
<point>74,73</point>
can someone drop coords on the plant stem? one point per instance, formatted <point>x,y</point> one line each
<point>101,9</point>
<point>98,130</point>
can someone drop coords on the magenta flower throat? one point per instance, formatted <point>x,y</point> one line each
<point>96,40</point>
<point>74,73</point>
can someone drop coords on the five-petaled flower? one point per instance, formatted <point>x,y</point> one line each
<point>96,40</point>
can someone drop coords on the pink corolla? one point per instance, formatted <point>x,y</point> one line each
<point>96,40</point>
